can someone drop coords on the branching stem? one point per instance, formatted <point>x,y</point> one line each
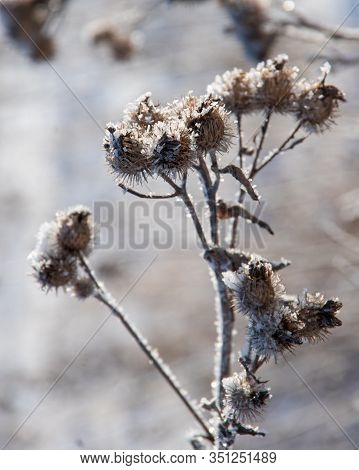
<point>183,194</point>
<point>225,317</point>
<point>264,129</point>
<point>210,190</point>
<point>282,148</point>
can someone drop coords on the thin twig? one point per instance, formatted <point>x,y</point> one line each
<point>257,363</point>
<point>213,195</point>
<point>264,129</point>
<point>182,192</point>
<point>204,172</point>
<point>240,140</point>
<point>147,196</point>
<point>246,430</point>
<point>104,297</point>
<point>250,370</point>
<point>89,271</point>
<point>215,169</point>
<point>234,231</point>
<point>238,210</point>
<point>282,148</point>
<point>241,193</point>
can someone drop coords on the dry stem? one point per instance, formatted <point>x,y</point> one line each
<point>104,297</point>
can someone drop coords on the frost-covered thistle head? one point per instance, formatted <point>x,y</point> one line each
<point>275,332</point>
<point>318,105</point>
<point>245,397</point>
<point>291,323</point>
<point>274,81</point>
<point>278,322</point>
<point>53,268</point>
<point>75,229</point>
<point>172,152</point>
<point>53,272</point>
<point>144,113</point>
<point>255,287</point>
<point>59,243</point>
<point>126,153</point>
<point>274,85</point>
<point>236,90</point>
<point>209,122</point>
<point>318,316</point>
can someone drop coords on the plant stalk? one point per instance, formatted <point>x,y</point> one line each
<point>104,297</point>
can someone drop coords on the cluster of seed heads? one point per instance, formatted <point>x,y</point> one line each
<point>55,259</point>
<point>275,86</point>
<point>278,322</point>
<point>154,140</point>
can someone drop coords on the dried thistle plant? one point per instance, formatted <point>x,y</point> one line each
<point>190,135</point>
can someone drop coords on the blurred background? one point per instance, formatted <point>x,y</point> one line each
<point>51,116</point>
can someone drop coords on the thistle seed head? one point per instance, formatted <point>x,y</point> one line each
<point>52,272</point>
<point>244,397</point>
<point>318,105</point>
<point>126,153</point>
<point>274,85</point>
<point>144,113</point>
<point>236,90</point>
<point>275,332</point>
<point>318,316</point>
<point>172,147</point>
<point>211,126</point>
<point>256,288</point>
<point>291,323</point>
<point>59,242</point>
<point>75,231</point>
<point>275,81</point>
